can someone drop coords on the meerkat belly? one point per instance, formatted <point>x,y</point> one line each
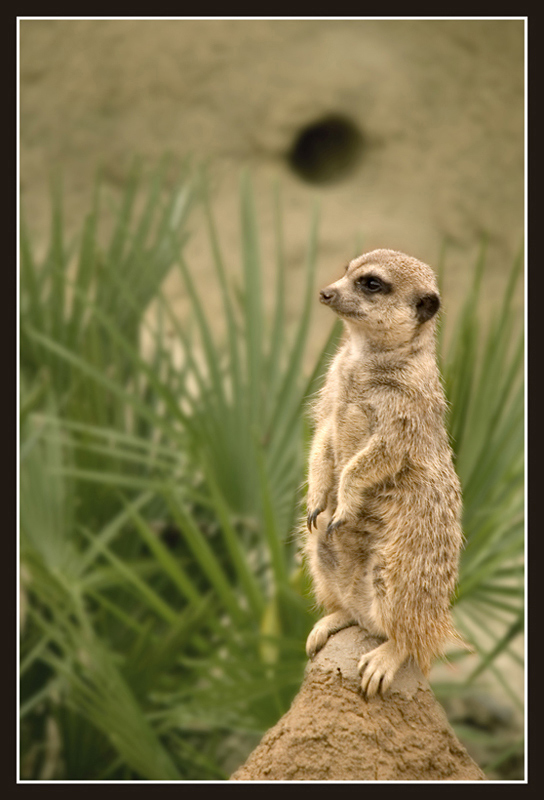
<point>344,570</point>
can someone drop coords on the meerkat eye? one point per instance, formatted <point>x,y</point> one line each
<point>371,284</point>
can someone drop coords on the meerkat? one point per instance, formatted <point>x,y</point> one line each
<point>383,527</point>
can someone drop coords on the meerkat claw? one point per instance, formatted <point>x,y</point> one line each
<point>334,525</point>
<point>378,669</point>
<point>373,682</point>
<point>312,518</point>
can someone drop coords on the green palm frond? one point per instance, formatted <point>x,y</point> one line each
<point>484,381</point>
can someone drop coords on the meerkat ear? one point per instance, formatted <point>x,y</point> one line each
<point>427,306</point>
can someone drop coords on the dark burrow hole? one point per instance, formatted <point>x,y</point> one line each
<point>327,150</point>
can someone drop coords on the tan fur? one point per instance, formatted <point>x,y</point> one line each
<point>383,501</point>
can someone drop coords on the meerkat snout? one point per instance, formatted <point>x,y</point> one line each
<point>327,295</point>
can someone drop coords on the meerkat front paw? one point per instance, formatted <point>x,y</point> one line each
<point>321,631</point>
<point>345,513</point>
<point>311,520</point>
<point>378,668</point>
<point>335,524</point>
<point>317,638</point>
<point>342,516</point>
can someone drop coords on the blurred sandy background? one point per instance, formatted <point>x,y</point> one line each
<point>409,132</point>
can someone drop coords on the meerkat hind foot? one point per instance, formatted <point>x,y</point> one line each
<point>379,667</point>
<point>324,628</point>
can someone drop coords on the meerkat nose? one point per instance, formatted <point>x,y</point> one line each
<point>327,295</point>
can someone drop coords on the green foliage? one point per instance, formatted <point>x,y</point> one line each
<point>165,607</point>
<point>483,376</point>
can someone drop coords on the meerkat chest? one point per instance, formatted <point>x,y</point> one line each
<point>353,415</point>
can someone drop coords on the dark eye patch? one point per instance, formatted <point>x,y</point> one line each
<point>371,284</point>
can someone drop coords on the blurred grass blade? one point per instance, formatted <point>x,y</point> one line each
<point>203,554</point>
<point>253,301</point>
<point>164,558</point>
<point>228,306</point>
<point>131,578</point>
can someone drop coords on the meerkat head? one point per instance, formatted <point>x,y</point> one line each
<point>387,296</point>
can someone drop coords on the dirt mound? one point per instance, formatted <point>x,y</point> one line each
<point>331,733</point>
